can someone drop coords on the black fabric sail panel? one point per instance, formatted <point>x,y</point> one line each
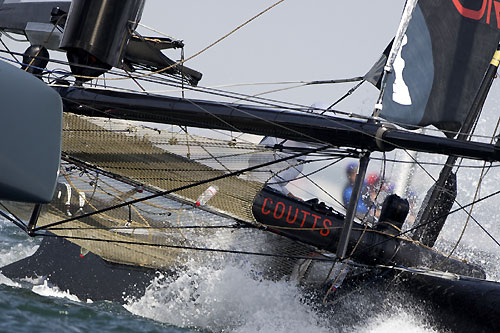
<point>444,56</point>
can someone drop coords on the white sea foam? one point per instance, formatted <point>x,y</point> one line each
<point>231,299</point>
<point>228,299</point>
<point>16,252</point>
<point>398,321</point>
<point>51,291</point>
<point>8,282</point>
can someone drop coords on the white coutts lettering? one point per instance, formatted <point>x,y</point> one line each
<point>400,92</point>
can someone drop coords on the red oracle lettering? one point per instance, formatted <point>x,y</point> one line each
<point>264,206</point>
<point>305,216</point>
<point>294,217</point>
<point>282,210</point>
<point>497,12</point>
<point>479,13</point>
<point>488,15</point>
<point>326,231</point>
<point>471,13</point>
<point>316,217</point>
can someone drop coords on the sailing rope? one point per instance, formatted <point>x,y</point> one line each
<point>431,221</point>
<point>481,178</point>
<point>197,53</point>
<point>163,193</point>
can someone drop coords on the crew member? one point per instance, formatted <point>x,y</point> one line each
<point>351,172</point>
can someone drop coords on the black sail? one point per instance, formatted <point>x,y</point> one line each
<point>444,56</point>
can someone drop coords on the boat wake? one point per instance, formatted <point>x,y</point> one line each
<point>236,299</point>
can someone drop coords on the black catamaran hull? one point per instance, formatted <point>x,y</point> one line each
<point>88,276</point>
<point>85,276</point>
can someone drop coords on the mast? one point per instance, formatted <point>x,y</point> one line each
<point>443,193</point>
<point>351,210</point>
<point>395,49</point>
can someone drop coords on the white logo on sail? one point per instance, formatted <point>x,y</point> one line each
<point>400,92</point>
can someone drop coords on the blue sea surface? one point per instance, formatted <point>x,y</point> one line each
<point>28,306</point>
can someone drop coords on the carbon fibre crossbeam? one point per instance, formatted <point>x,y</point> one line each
<point>298,126</point>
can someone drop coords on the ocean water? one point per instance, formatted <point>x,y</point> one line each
<point>202,299</point>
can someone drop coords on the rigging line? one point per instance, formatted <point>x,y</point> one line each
<point>117,197</point>
<point>349,114</point>
<point>434,163</point>
<point>257,117</point>
<point>3,32</point>
<point>433,220</point>
<point>234,226</point>
<point>16,220</point>
<point>163,193</point>
<point>329,119</point>
<point>319,158</point>
<point>304,84</point>
<point>199,144</point>
<point>157,31</point>
<point>247,96</point>
<point>222,132</point>
<point>199,52</point>
<point>352,79</point>
<point>347,94</point>
<point>64,72</point>
<point>270,122</point>
<point>223,93</point>
<point>269,92</point>
<point>469,215</point>
<point>193,248</point>
<point>136,82</point>
<point>271,102</point>
<point>323,142</point>
<point>247,84</point>
<point>68,73</point>
<point>405,150</point>
<point>481,178</point>
<point>455,200</point>
<point>10,52</point>
<point>312,82</point>
<point>303,175</point>
<point>297,107</point>
<point>11,213</point>
<point>314,140</point>
<point>200,89</point>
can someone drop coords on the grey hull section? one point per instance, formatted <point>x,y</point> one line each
<point>30,137</point>
<point>15,16</point>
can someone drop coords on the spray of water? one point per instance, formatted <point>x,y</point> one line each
<point>228,299</point>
